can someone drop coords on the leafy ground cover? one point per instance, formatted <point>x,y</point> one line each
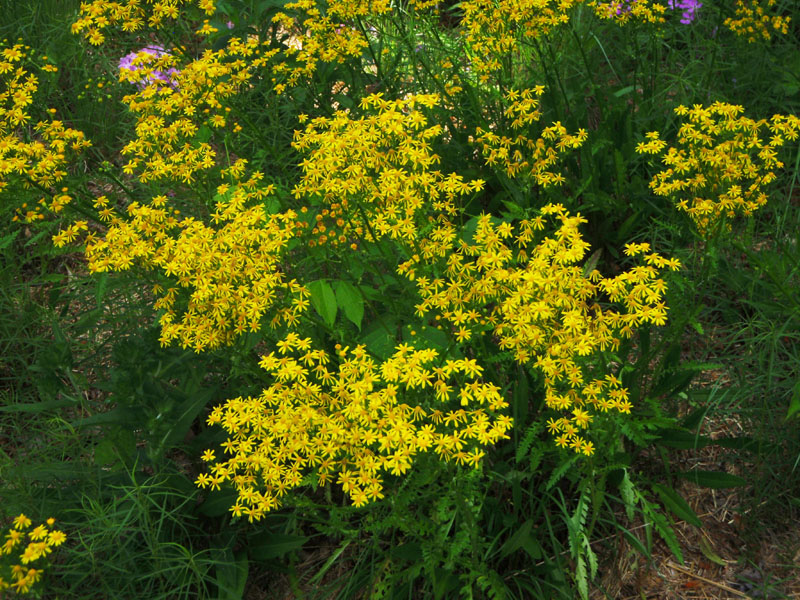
<point>361,299</point>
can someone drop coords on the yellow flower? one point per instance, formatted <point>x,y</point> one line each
<point>353,426</point>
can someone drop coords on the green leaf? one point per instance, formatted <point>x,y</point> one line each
<point>560,471</point>
<point>324,300</point>
<point>273,545</point>
<point>102,287</point>
<point>37,407</point>
<point>7,239</point>
<point>231,568</point>
<point>628,496</point>
<point>522,538</point>
<point>708,552</point>
<point>181,421</point>
<point>666,533</point>
<point>591,264</point>
<point>794,403</point>
<point>377,339</point>
<point>623,91</point>
<point>349,299</point>
<point>682,440</point>
<point>581,578</point>
<point>675,503</point>
<point>218,502</point>
<point>635,542</point>
<point>713,479</point>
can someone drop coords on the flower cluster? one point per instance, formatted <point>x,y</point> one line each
<point>39,161</point>
<point>374,175</point>
<point>522,155</point>
<point>140,67</point>
<point>28,545</point>
<point>321,32</point>
<point>752,20</point>
<point>626,11</point>
<point>496,29</point>
<point>166,147</point>
<point>541,305</point>
<point>231,274</point>
<point>689,8</point>
<point>722,163</point>
<point>351,424</point>
<point>131,15</point>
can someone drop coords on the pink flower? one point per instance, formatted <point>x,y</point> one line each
<point>130,64</point>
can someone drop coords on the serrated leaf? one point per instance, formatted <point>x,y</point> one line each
<point>675,503</point>
<point>667,534</point>
<point>324,300</point>
<point>591,556</point>
<point>581,578</point>
<point>628,497</point>
<point>350,300</point>
<point>559,472</point>
<point>6,240</point>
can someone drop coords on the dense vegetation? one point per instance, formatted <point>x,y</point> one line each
<point>359,299</point>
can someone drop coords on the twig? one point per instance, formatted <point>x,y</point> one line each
<point>721,586</point>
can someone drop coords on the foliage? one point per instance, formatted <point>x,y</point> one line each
<point>409,285</point>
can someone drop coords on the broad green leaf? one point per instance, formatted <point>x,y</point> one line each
<point>349,299</point>
<point>218,502</point>
<point>674,502</point>
<point>324,300</point>
<point>182,420</point>
<point>377,339</point>
<point>682,440</point>
<point>273,545</point>
<point>713,479</point>
<point>522,538</point>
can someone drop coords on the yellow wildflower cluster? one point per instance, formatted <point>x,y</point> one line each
<point>494,29</point>
<point>169,117</point>
<point>374,173</point>
<point>540,304</point>
<point>37,543</point>
<point>352,424</point>
<point>40,161</point>
<point>233,269</point>
<point>523,155</point>
<point>131,15</point>
<point>625,11</point>
<point>325,32</point>
<point>752,20</point>
<point>722,163</point>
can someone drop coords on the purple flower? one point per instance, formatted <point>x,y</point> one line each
<point>689,8</point>
<point>129,63</point>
